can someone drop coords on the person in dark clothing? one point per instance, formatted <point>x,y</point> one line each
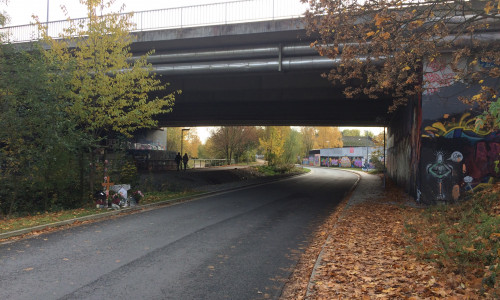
<point>185,160</point>
<point>178,159</point>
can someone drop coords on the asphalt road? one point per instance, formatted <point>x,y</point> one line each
<point>236,245</point>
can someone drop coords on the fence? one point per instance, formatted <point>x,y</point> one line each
<point>180,17</point>
<point>207,163</point>
<point>169,164</point>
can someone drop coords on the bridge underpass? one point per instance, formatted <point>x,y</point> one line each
<point>246,74</point>
<point>269,99</point>
<point>259,73</point>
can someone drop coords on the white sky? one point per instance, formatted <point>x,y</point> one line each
<point>21,11</point>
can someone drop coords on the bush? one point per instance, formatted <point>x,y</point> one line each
<point>276,169</point>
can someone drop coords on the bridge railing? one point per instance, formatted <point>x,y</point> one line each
<point>181,17</point>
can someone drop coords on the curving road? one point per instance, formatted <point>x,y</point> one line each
<point>241,244</point>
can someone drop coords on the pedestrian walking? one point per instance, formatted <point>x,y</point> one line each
<point>178,159</point>
<point>185,160</point>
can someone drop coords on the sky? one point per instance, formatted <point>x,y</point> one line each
<point>21,11</point>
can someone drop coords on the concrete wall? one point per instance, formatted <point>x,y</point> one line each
<point>456,157</point>
<point>403,144</point>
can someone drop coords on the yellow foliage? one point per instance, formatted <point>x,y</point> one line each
<point>107,91</point>
<point>488,7</point>
<point>328,137</point>
<point>274,140</point>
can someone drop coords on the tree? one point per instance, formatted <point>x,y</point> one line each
<point>308,138</point>
<point>108,93</point>
<point>383,45</point>
<point>328,137</point>
<point>232,141</point>
<point>38,140</point>
<point>293,147</point>
<point>351,132</point>
<point>192,143</point>
<point>174,139</point>
<point>273,143</point>
<point>368,133</point>
<point>378,140</point>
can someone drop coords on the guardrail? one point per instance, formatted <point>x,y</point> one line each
<point>242,11</point>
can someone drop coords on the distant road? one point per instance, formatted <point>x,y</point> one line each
<point>237,245</point>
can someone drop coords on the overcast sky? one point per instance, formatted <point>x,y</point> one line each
<point>20,11</point>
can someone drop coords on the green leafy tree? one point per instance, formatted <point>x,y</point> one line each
<point>37,142</point>
<point>108,92</point>
<point>293,147</point>
<point>351,132</point>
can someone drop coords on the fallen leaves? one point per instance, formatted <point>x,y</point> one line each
<point>365,257</point>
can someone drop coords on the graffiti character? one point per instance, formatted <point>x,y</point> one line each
<point>439,170</point>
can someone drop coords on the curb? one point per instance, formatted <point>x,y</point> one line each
<point>174,201</point>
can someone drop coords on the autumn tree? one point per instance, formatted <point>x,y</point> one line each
<point>382,45</point>
<point>308,138</point>
<point>328,137</point>
<point>192,143</point>
<point>378,139</point>
<point>174,139</point>
<point>232,141</point>
<point>273,143</point>
<point>108,91</point>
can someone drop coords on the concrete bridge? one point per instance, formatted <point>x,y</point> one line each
<point>260,71</point>
<point>240,63</point>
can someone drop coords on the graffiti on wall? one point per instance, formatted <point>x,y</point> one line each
<point>466,159</point>
<point>439,170</point>
<point>437,74</point>
<point>345,162</point>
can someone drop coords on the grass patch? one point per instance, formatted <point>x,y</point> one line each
<point>463,238</point>
<point>17,223</point>
<point>280,170</point>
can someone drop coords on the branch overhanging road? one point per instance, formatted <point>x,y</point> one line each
<point>241,244</point>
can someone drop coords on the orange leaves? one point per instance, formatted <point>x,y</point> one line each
<point>489,6</point>
<point>380,20</point>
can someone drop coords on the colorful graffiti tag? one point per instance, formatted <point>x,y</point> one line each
<point>345,162</point>
<point>467,156</point>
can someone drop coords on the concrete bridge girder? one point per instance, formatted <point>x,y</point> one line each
<point>261,73</point>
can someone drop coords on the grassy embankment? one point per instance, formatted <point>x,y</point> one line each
<point>27,221</point>
<point>462,238</point>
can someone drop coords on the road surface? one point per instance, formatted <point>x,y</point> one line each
<point>241,244</point>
